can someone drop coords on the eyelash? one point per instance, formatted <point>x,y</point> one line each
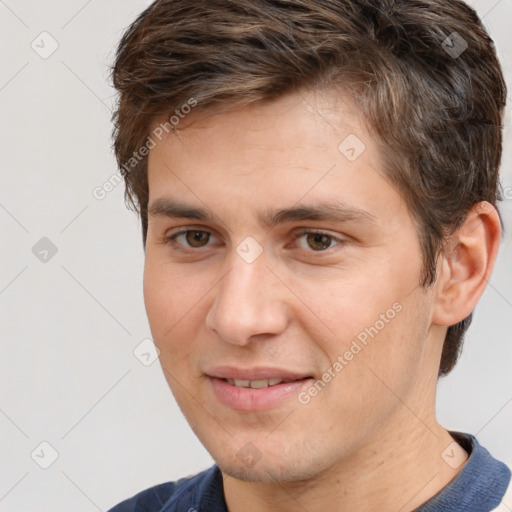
<point>171,240</point>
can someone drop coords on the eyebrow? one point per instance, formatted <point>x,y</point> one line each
<point>320,211</point>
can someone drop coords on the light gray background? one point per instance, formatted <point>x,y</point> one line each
<point>69,325</point>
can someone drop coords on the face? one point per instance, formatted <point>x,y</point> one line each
<point>282,287</point>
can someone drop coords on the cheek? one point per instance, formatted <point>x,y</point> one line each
<point>176,306</point>
<point>378,321</point>
<point>159,299</point>
<point>394,348</point>
<point>374,371</point>
<point>169,298</point>
<point>336,310</point>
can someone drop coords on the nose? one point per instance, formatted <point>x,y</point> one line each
<point>250,302</point>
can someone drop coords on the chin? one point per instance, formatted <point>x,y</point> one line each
<point>271,468</point>
<point>266,474</point>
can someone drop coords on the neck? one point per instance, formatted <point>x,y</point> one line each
<point>399,471</point>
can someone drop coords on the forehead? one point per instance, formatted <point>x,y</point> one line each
<point>303,148</point>
<point>307,114</point>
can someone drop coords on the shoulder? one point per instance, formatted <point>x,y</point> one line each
<point>481,485</point>
<point>160,498</point>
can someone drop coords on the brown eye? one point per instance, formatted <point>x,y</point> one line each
<point>318,241</point>
<point>197,238</point>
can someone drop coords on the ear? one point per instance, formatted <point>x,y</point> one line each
<point>466,265</point>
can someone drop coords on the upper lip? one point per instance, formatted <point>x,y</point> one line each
<point>254,373</point>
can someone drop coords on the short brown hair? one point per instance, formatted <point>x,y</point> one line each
<point>424,74</point>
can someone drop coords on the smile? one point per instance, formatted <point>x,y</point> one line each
<point>255,384</point>
<point>262,392</point>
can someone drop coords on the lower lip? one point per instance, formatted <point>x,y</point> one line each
<point>250,399</point>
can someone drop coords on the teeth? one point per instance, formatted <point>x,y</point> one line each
<point>255,384</point>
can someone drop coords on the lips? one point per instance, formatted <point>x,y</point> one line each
<point>255,389</point>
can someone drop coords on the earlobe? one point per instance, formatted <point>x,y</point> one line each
<point>466,265</point>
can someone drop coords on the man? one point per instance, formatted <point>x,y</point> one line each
<point>317,183</point>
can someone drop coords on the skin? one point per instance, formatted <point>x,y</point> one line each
<point>357,443</point>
